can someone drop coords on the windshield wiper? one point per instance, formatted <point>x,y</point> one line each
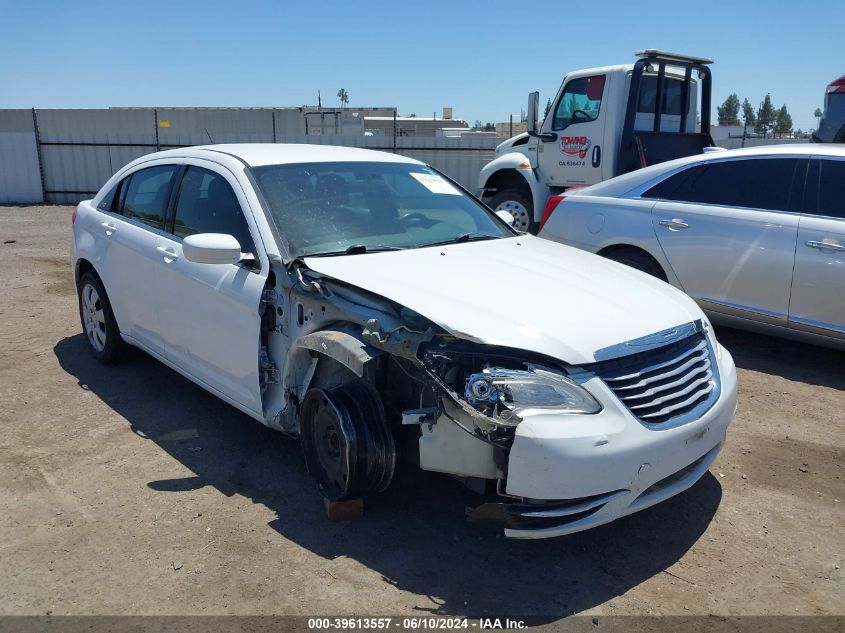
<point>356,249</point>
<point>464,237</point>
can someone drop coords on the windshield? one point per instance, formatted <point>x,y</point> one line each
<point>355,207</point>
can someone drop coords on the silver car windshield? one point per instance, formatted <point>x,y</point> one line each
<point>358,207</point>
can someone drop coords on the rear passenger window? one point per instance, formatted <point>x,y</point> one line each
<point>674,187</point>
<point>763,183</point>
<point>147,195</point>
<point>832,188</point>
<point>207,204</point>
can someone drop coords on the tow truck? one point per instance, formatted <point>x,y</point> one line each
<point>603,122</point>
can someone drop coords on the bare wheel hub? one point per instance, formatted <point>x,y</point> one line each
<point>348,447</point>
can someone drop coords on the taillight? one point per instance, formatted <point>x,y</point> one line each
<point>837,86</point>
<point>73,217</point>
<point>551,205</point>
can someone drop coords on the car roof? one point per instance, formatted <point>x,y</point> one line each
<point>621,185</point>
<point>258,154</point>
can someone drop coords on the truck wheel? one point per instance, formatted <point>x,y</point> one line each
<point>519,205</point>
<point>348,446</point>
<point>98,323</point>
<point>637,259</point>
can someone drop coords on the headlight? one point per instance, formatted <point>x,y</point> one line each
<point>711,338</point>
<point>508,393</point>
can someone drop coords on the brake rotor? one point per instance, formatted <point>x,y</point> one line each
<point>348,446</point>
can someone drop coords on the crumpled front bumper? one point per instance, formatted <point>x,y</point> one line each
<point>577,472</point>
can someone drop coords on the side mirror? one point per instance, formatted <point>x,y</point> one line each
<point>211,248</point>
<point>505,216</point>
<point>533,105</point>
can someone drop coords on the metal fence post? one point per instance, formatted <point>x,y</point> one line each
<point>155,114</point>
<point>38,153</point>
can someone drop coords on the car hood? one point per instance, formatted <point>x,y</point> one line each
<point>522,292</point>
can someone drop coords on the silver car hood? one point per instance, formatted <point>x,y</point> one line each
<point>521,292</point>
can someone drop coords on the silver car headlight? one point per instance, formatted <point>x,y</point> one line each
<point>508,393</point>
<point>711,338</point>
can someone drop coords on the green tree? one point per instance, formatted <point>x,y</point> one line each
<point>818,115</point>
<point>728,112</point>
<point>783,122</point>
<point>489,127</point>
<point>748,116</point>
<point>343,96</point>
<point>548,107</point>
<point>766,116</point>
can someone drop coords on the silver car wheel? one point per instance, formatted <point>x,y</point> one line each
<point>521,221</point>
<point>93,317</point>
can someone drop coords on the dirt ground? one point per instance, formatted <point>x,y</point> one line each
<point>128,490</point>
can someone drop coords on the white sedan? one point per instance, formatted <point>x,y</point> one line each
<point>755,236</point>
<point>369,306</point>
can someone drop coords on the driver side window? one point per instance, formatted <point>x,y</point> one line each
<point>207,204</point>
<point>580,102</point>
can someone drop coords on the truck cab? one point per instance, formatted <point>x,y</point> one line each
<point>603,122</point>
<point>832,124</point>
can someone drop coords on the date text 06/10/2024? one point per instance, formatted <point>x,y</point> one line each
<point>413,623</point>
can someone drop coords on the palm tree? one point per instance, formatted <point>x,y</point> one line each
<point>818,115</point>
<point>343,96</point>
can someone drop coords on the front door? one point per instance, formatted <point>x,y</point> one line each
<point>818,286</point>
<point>209,313</point>
<point>728,236</point>
<point>577,121</point>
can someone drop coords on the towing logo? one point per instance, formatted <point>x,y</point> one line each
<point>575,146</point>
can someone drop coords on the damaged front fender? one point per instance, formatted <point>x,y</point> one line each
<point>345,345</point>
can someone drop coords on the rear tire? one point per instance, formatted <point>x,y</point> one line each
<point>637,259</point>
<point>519,205</point>
<point>98,323</point>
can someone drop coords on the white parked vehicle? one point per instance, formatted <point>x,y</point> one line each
<point>603,122</point>
<point>366,304</point>
<point>755,236</point>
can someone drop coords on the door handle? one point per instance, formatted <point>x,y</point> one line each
<point>596,155</point>
<point>825,245</point>
<point>675,224</point>
<point>109,227</point>
<point>167,254</point>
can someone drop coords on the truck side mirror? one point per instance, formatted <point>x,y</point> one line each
<point>533,104</point>
<point>531,127</point>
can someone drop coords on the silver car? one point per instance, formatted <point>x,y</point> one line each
<point>755,236</point>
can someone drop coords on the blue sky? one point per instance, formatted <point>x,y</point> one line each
<point>481,58</point>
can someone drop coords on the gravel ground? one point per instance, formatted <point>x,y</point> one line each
<point>129,490</point>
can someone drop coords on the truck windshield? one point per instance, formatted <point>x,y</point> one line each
<point>355,207</point>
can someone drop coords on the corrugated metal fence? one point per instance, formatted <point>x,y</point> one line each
<point>63,156</point>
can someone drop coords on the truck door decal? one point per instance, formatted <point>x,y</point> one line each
<point>575,146</point>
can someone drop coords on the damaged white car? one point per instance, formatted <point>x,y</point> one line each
<point>366,304</point>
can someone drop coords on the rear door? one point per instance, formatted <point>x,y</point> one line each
<point>578,120</point>
<point>726,230</point>
<point>818,285</point>
<point>209,313</point>
<point>131,227</point>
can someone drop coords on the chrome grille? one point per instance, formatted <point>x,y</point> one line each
<point>672,384</point>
